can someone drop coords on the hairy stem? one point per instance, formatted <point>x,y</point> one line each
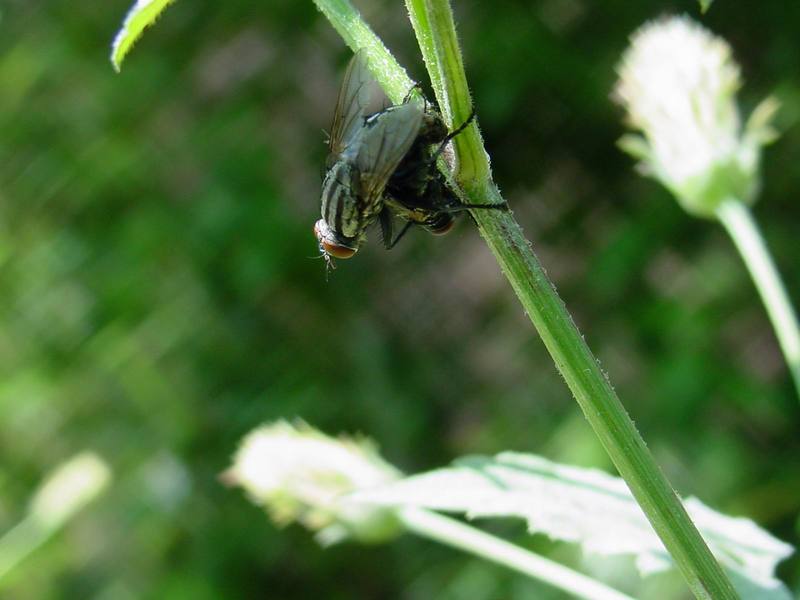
<point>738,221</point>
<point>357,34</point>
<point>435,29</point>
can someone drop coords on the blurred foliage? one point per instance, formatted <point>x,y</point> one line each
<point>157,299</point>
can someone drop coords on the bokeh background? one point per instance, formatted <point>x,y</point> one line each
<point>158,298</point>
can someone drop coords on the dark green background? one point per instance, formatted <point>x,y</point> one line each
<point>158,301</point>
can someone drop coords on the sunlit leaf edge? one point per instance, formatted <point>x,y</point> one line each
<point>587,507</point>
<point>141,15</point>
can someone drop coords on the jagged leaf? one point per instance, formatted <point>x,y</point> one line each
<point>139,17</point>
<point>588,507</point>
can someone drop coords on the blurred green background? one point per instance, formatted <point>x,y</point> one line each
<point>158,298</point>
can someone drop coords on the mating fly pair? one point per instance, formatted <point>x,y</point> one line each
<point>381,165</point>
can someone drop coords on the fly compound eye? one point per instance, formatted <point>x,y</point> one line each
<point>336,251</point>
<point>323,233</point>
<point>441,224</point>
<point>319,230</point>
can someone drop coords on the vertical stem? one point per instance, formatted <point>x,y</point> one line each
<point>738,221</point>
<point>435,29</point>
<point>442,56</point>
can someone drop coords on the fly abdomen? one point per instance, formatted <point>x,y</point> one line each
<point>339,200</point>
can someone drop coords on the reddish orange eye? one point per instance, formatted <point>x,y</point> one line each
<point>442,227</point>
<point>323,233</point>
<point>336,251</point>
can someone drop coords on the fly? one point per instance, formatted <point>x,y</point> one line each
<point>383,165</point>
<point>365,151</point>
<point>418,192</point>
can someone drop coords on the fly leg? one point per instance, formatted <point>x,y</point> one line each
<point>387,228</point>
<point>456,208</point>
<point>451,135</point>
<point>400,235</point>
<point>456,205</point>
<point>417,87</point>
<point>385,220</point>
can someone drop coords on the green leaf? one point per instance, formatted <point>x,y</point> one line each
<point>635,145</point>
<point>705,5</point>
<point>588,507</point>
<point>139,17</point>
<point>759,129</point>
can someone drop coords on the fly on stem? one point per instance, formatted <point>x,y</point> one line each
<point>381,166</point>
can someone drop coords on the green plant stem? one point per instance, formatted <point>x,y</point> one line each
<point>458,535</point>
<point>433,24</point>
<point>737,219</point>
<point>435,29</point>
<point>356,33</point>
<point>19,542</point>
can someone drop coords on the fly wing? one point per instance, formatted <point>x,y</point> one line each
<point>351,103</point>
<point>382,145</point>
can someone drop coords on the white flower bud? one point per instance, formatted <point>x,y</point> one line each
<point>299,474</point>
<point>678,82</point>
<point>69,488</point>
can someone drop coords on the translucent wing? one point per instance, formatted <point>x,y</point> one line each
<point>381,145</point>
<point>350,106</point>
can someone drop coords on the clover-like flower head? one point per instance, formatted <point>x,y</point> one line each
<point>299,474</point>
<point>678,84</point>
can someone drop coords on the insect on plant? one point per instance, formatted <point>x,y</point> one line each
<point>364,153</point>
<point>418,191</point>
<point>383,165</point>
